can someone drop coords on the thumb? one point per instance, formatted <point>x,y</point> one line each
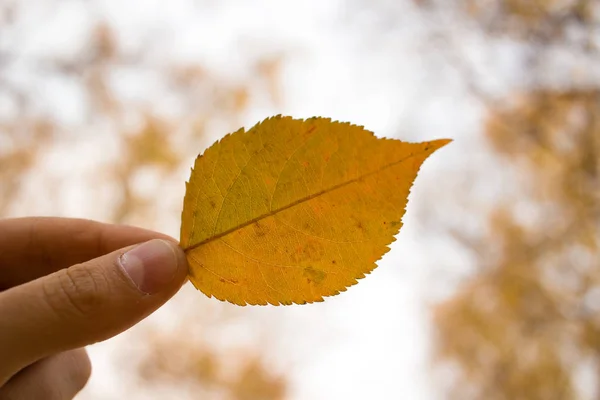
<point>86,303</point>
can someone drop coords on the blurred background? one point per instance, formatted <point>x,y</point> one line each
<point>492,290</point>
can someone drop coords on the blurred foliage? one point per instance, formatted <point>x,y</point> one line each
<point>160,131</point>
<point>524,324</point>
<point>543,20</point>
<point>205,372</point>
<point>21,142</point>
<point>529,318</point>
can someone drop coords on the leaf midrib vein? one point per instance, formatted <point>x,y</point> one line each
<point>300,201</point>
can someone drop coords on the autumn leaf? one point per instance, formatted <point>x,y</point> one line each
<point>295,210</point>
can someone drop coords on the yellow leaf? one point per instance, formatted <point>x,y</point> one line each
<point>294,210</point>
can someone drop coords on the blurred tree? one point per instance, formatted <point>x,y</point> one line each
<point>207,372</point>
<point>525,324</point>
<point>529,318</point>
<point>543,20</point>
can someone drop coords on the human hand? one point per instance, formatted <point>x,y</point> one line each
<point>66,283</point>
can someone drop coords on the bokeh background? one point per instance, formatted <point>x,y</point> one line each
<point>492,290</point>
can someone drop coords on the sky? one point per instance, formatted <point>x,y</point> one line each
<point>342,61</point>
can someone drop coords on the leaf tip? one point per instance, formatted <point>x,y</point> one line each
<point>439,143</point>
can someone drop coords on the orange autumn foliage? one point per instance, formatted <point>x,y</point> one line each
<point>540,20</point>
<point>528,319</point>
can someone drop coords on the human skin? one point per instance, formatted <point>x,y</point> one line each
<point>67,283</point>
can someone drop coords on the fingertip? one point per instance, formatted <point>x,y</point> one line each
<point>154,266</point>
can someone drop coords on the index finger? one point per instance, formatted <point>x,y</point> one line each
<point>37,246</point>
